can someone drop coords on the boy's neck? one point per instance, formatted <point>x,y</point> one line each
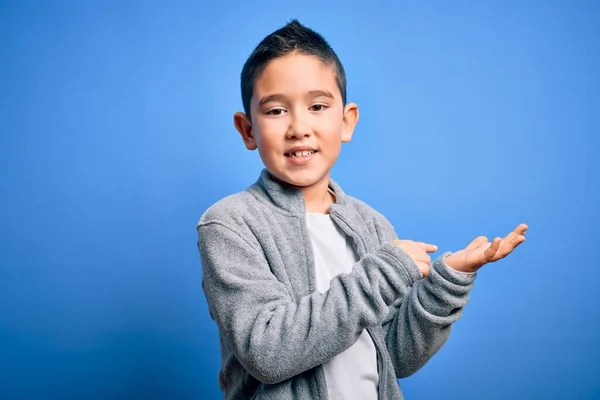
<point>318,198</point>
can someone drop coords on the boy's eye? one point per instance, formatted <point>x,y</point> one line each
<point>275,111</point>
<point>318,107</point>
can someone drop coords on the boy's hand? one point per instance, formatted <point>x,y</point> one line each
<point>480,251</point>
<point>418,252</point>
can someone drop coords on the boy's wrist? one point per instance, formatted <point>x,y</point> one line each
<point>448,265</point>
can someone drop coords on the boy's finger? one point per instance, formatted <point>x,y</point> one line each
<point>490,252</point>
<point>507,247</point>
<point>477,242</point>
<point>422,257</point>
<point>508,238</point>
<point>521,229</point>
<point>517,240</point>
<point>430,248</point>
<point>424,268</point>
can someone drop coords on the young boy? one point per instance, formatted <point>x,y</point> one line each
<point>314,295</point>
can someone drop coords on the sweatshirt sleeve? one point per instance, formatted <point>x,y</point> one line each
<point>419,323</point>
<point>275,336</point>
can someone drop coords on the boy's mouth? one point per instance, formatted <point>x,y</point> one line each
<point>300,154</point>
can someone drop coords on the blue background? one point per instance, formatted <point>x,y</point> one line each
<point>116,134</point>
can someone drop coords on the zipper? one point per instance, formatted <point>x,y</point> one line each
<point>361,249</point>
<point>320,379</point>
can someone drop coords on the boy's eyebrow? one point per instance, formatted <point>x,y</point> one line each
<point>271,97</point>
<point>281,97</point>
<point>319,93</point>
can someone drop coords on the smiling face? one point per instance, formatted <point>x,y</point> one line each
<point>298,120</point>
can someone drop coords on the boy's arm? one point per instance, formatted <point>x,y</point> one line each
<point>419,323</point>
<point>276,337</point>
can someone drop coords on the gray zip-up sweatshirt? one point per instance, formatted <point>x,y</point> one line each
<point>276,330</point>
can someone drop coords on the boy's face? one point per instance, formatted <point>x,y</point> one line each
<point>298,120</point>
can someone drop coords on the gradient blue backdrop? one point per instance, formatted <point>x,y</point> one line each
<point>116,134</point>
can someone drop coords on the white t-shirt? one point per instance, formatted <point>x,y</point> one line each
<point>353,373</point>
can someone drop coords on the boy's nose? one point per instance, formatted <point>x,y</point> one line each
<point>297,129</point>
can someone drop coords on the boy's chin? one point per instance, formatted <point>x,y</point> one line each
<point>300,182</point>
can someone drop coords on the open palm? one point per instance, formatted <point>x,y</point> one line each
<point>480,251</point>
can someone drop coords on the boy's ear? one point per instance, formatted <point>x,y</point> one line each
<point>350,121</point>
<point>244,127</point>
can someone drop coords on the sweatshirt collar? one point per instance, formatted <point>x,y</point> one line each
<point>271,190</point>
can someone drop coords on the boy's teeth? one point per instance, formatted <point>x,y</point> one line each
<point>302,153</point>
